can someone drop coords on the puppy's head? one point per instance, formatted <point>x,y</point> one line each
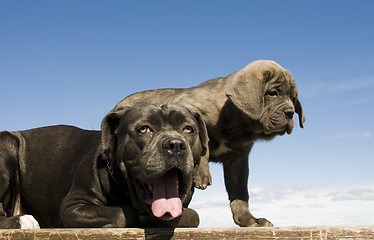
<point>155,148</point>
<point>267,93</point>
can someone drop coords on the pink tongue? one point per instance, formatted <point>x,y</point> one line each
<point>166,197</point>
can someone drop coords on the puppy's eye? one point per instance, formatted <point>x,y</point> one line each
<point>188,129</point>
<point>144,129</point>
<point>272,93</point>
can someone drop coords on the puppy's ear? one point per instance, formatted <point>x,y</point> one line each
<point>300,112</point>
<point>109,126</point>
<point>246,90</point>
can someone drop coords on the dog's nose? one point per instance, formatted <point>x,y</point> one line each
<point>289,112</point>
<point>174,146</point>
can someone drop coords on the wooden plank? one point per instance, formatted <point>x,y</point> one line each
<point>296,233</point>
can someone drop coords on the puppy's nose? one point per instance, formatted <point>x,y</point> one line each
<point>289,112</point>
<point>174,146</point>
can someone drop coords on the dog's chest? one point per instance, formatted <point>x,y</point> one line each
<point>221,149</point>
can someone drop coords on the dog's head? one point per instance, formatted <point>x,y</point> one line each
<point>265,92</point>
<point>155,148</point>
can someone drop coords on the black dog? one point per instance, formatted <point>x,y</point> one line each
<point>136,172</point>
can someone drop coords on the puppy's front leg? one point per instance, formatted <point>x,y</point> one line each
<point>236,179</point>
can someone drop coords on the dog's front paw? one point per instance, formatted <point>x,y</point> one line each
<point>28,222</point>
<point>202,178</point>
<point>189,219</point>
<point>243,217</point>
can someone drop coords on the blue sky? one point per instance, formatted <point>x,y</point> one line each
<point>70,62</point>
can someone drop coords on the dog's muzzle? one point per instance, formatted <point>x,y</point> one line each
<point>175,147</point>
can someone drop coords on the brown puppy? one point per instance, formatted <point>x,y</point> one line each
<point>257,102</point>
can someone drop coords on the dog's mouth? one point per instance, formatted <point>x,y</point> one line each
<point>165,195</point>
<point>287,129</point>
<point>276,127</point>
<point>281,131</point>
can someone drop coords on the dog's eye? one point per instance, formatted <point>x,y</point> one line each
<point>272,93</point>
<point>144,129</point>
<point>188,129</point>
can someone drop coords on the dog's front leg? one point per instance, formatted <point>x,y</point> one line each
<point>80,215</point>
<point>236,179</point>
<point>10,209</point>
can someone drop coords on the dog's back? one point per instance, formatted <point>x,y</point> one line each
<point>47,158</point>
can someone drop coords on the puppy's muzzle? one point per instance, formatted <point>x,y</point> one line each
<point>175,147</point>
<point>289,112</point>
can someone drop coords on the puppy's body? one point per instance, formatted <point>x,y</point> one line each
<point>257,102</point>
<point>68,177</point>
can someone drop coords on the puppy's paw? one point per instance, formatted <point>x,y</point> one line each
<point>263,222</point>
<point>254,222</point>
<point>202,179</point>
<point>28,222</point>
<point>243,217</point>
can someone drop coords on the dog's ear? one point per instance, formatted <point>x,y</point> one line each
<point>295,99</point>
<point>109,126</point>
<point>203,132</point>
<point>300,112</point>
<point>246,89</point>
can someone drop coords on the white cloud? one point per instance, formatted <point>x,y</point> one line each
<point>278,193</point>
<point>213,212</point>
<point>311,195</point>
<point>357,194</point>
<point>354,84</point>
<point>212,203</point>
<point>319,206</point>
<point>260,195</point>
<point>348,135</point>
<point>316,205</point>
<point>360,191</point>
<point>298,205</point>
<point>345,85</point>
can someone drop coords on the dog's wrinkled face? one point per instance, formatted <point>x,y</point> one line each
<point>266,93</point>
<point>158,147</point>
<point>280,98</point>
